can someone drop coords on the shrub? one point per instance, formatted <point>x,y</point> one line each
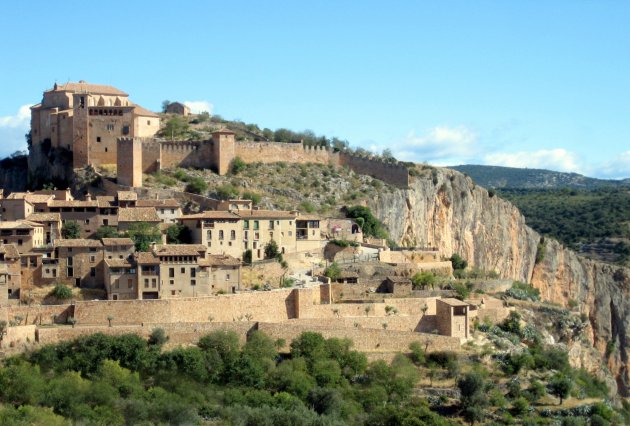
<point>271,250</point>
<point>344,243</point>
<point>61,292</point>
<point>237,166</point>
<point>423,280</point>
<point>157,337</point>
<point>523,291</point>
<point>458,262</point>
<point>71,230</point>
<point>307,207</point>
<point>417,353</point>
<point>248,195</point>
<point>196,185</point>
<point>227,192</point>
<point>333,271</point>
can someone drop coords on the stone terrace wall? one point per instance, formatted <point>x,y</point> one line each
<point>41,314</point>
<point>272,152</point>
<point>277,305</point>
<point>365,340</point>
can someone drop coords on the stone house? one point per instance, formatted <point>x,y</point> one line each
<point>79,262</point>
<point>453,318</point>
<point>398,286</point>
<point>127,216</point>
<point>26,235</point>
<point>177,108</point>
<point>87,119</point>
<point>121,279</point>
<point>168,210</point>
<point>51,223</point>
<point>10,273</point>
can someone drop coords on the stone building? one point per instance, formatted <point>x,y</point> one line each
<point>87,119</point>
<point>10,273</point>
<point>453,318</point>
<point>24,234</point>
<point>177,108</point>
<point>79,262</point>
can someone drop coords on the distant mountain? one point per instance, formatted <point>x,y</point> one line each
<point>510,177</point>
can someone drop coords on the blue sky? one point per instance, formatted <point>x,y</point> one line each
<point>526,84</point>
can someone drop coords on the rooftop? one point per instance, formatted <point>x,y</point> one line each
<point>169,202</point>
<point>452,301</point>
<point>219,260</point>
<point>9,251</point>
<point>212,214</point>
<point>118,263</point>
<point>147,258</point>
<point>117,241</point>
<point>73,203</point>
<point>127,196</point>
<point>137,214</point>
<point>143,112</point>
<point>19,224</point>
<point>84,87</point>
<point>179,249</point>
<point>79,242</point>
<point>266,214</point>
<point>44,217</point>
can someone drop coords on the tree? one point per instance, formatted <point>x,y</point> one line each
<point>175,128</point>
<point>271,250</point>
<point>143,235</point>
<point>196,185</point>
<point>178,234</point>
<point>247,256</point>
<point>423,280</point>
<point>71,230</point>
<point>560,386</point>
<point>226,192</point>
<point>158,337</point>
<point>248,195</point>
<point>371,226</point>
<point>473,397</point>
<point>106,232</point>
<point>458,262</point>
<point>237,166</point>
<point>61,292</point>
<point>165,104</point>
<point>333,271</point>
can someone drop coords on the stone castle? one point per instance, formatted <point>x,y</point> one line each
<point>98,125</point>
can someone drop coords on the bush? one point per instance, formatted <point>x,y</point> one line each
<point>333,271</point>
<point>523,291</point>
<point>196,185</point>
<point>417,353</point>
<point>423,280</point>
<point>344,243</point>
<point>227,192</point>
<point>370,225</point>
<point>237,166</point>
<point>61,292</point>
<point>271,250</point>
<point>71,230</point>
<point>458,262</point>
<point>248,195</point>
<point>157,337</point>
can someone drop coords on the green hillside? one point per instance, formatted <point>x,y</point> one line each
<point>510,177</point>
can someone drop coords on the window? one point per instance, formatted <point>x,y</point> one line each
<point>105,222</point>
<point>87,221</point>
<point>70,272</point>
<point>256,225</point>
<point>19,242</point>
<point>92,259</point>
<point>193,282</point>
<point>105,149</point>
<point>171,282</point>
<point>92,272</point>
<point>227,277</point>
<point>257,235</point>
<point>125,130</point>
<point>172,211</point>
<point>171,273</point>
<point>154,282</point>
<point>232,235</point>
<point>220,234</point>
<point>246,235</point>
<point>246,224</point>
<point>98,139</point>
<point>172,292</point>
<point>209,234</point>
<point>183,270</point>
<point>148,122</point>
<point>146,283</point>
<point>290,233</point>
<point>271,224</point>
<point>110,127</point>
<point>193,272</point>
<point>129,283</point>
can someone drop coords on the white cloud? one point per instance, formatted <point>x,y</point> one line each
<point>12,131</point>
<point>554,159</point>
<point>616,168</point>
<point>197,107</point>
<point>21,119</point>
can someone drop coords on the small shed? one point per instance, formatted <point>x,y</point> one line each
<point>453,317</point>
<point>399,286</point>
<point>178,108</point>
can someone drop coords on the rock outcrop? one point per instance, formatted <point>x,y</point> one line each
<point>446,210</point>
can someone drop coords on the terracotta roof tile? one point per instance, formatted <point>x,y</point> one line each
<point>79,242</point>
<point>178,249</point>
<point>169,202</point>
<point>44,217</point>
<point>143,112</point>
<point>220,260</point>
<point>137,214</point>
<point>118,263</point>
<point>19,224</point>
<point>82,87</point>
<point>212,214</point>
<point>73,203</point>
<point>147,258</point>
<point>117,241</point>
<point>266,214</point>
<point>10,251</point>
<point>127,195</point>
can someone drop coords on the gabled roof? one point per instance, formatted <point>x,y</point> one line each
<point>169,202</point>
<point>117,241</point>
<point>266,214</point>
<point>118,263</point>
<point>10,251</point>
<point>147,258</point>
<point>179,249</point>
<point>219,260</point>
<point>30,197</point>
<point>211,214</point>
<point>83,87</point>
<point>73,203</point>
<point>44,217</point>
<point>127,196</point>
<point>79,242</point>
<point>143,112</point>
<point>137,214</point>
<point>19,224</point>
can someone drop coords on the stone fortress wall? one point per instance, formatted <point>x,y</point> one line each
<point>219,152</point>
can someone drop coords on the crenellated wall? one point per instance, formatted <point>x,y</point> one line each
<point>219,152</point>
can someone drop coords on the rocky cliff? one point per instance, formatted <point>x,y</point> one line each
<point>445,209</point>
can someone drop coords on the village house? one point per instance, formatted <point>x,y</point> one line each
<point>453,317</point>
<point>10,273</point>
<point>26,235</point>
<point>177,108</point>
<point>168,210</point>
<point>127,216</point>
<point>79,263</point>
<point>52,225</point>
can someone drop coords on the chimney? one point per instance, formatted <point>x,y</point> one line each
<point>88,196</point>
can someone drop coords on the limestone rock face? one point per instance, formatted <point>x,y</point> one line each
<point>446,210</point>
